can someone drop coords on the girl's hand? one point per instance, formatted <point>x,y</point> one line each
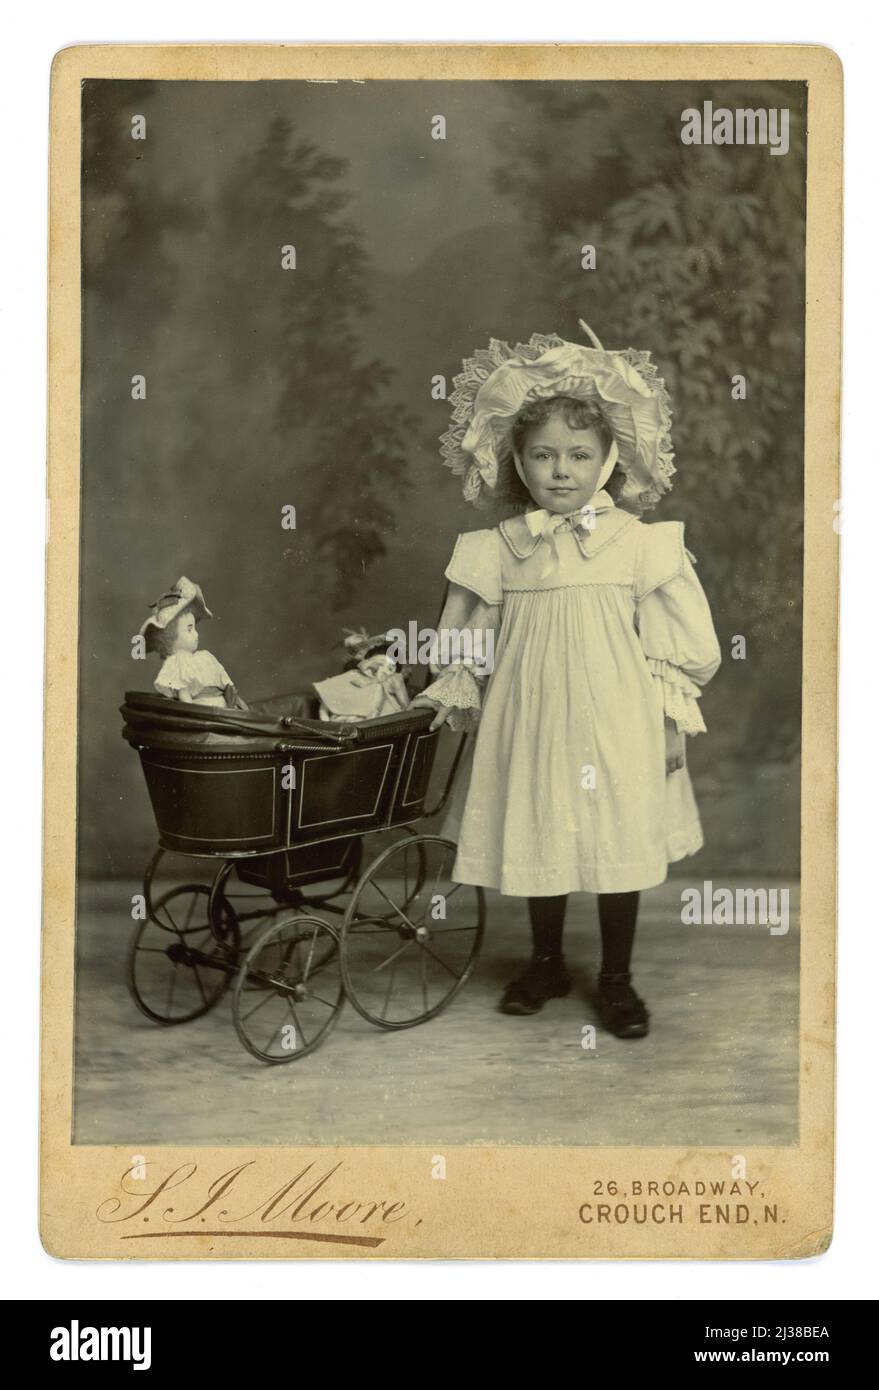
<point>674,748</point>
<point>442,711</point>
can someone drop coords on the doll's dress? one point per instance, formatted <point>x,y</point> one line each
<point>198,672</point>
<point>374,688</point>
<point>598,636</point>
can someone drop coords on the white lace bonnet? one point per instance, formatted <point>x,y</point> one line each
<point>499,381</point>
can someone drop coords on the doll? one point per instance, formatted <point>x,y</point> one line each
<point>187,674</point>
<point>371,684</point>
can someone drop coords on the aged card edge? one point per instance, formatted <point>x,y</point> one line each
<point>810,1184</point>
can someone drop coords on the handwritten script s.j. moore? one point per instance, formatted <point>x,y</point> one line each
<point>316,1204</point>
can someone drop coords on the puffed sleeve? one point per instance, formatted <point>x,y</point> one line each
<point>468,627</point>
<point>476,565</point>
<point>674,623</point>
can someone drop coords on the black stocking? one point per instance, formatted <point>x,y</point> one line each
<point>547,923</point>
<point>617,917</point>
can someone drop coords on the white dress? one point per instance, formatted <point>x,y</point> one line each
<point>200,673</point>
<point>598,637</point>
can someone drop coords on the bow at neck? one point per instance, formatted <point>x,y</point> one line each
<point>542,522</point>
<point>580,522</point>
<point>527,531</point>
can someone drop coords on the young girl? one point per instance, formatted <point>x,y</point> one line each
<point>602,640</point>
<point>187,674</point>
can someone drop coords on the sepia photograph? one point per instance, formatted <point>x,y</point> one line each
<point>440,612</point>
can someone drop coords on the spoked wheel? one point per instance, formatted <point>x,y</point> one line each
<point>411,934</point>
<point>289,990</point>
<point>148,878</point>
<point>413,869</point>
<point>179,965</point>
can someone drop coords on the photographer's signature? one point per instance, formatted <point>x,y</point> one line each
<point>316,1204</point>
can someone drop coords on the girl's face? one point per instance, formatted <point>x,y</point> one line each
<point>187,634</point>
<point>562,465</point>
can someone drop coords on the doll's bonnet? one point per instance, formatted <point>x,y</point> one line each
<point>171,604</point>
<point>499,381</point>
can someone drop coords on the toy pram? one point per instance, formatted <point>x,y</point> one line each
<point>273,801</point>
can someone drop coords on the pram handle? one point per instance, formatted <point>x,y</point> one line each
<point>170,715</point>
<point>346,734</point>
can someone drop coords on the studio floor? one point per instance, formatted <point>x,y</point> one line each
<point>718,1068</point>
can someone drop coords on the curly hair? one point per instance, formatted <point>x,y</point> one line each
<point>577,415</point>
<point>162,639</point>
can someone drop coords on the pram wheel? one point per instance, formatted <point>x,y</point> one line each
<point>289,990</point>
<point>178,966</point>
<point>411,934</point>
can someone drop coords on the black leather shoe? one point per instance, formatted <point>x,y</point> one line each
<point>619,1007</point>
<point>545,978</point>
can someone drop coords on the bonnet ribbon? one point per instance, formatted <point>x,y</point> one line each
<point>165,600</point>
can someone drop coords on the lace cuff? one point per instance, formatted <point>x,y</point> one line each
<point>679,696</point>
<point>457,689</point>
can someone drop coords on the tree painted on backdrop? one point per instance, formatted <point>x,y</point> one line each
<point>298,399</point>
<point>261,395</point>
<point>699,257</point>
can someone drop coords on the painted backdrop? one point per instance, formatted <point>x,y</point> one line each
<point>310,387</point>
